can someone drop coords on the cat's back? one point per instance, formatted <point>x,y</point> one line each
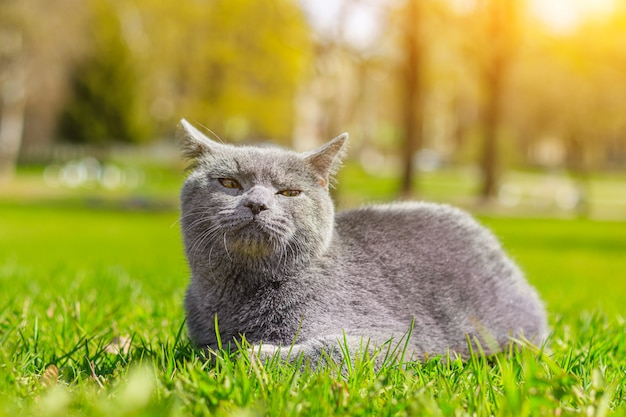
<point>436,262</point>
<point>431,225</point>
<point>423,245</point>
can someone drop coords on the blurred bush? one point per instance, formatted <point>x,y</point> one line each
<point>107,101</point>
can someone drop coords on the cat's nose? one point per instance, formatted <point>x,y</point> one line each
<point>255,208</point>
<point>257,199</point>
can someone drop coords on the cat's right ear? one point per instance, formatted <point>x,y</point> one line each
<point>194,144</point>
<point>326,160</point>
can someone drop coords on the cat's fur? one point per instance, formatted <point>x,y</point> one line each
<point>283,269</point>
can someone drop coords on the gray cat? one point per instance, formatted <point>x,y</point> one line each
<point>271,261</point>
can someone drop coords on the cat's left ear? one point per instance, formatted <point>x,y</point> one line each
<point>326,160</point>
<point>194,144</point>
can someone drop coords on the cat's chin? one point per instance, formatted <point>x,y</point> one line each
<point>251,248</point>
<point>253,242</point>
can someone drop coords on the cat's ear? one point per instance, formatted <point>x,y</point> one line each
<point>194,144</point>
<point>326,160</point>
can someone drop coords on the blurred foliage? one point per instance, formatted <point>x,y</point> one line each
<point>571,89</point>
<point>232,65</point>
<point>249,69</point>
<point>107,102</point>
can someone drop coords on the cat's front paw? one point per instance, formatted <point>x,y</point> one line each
<point>264,351</point>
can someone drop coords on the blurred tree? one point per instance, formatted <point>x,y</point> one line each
<point>260,54</point>
<point>500,20</point>
<point>106,103</point>
<point>432,82</point>
<point>37,42</point>
<point>12,85</point>
<point>339,93</point>
<point>570,96</point>
<point>412,91</point>
<point>232,65</point>
<point>570,89</point>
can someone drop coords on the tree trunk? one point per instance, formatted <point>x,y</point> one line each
<point>491,121</point>
<point>12,102</point>
<point>412,100</point>
<point>499,30</point>
<point>11,128</point>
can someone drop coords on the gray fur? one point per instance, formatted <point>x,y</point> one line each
<point>282,270</point>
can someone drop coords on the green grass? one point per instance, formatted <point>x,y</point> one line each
<point>577,264</point>
<point>77,283</point>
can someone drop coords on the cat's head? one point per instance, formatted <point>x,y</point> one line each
<point>256,206</point>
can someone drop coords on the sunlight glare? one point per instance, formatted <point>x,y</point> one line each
<point>566,15</point>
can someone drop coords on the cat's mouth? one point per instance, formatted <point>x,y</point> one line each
<point>252,239</point>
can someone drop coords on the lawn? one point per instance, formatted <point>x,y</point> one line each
<point>91,323</point>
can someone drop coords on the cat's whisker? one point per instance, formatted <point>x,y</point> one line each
<point>204,237</point>
<point>198,222</point>
<point>278,248</point>
<point>196,210</point>
<point>198,244</point>
<point>226,248</point>
<point>290,250</point>
<point>201,211</point>
<point>215,135</point>
<point>211,267</point>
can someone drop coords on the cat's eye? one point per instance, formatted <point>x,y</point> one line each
<point>229,183</point>
<point>290,193</point>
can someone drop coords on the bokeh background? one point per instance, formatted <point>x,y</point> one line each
<point>508,106</point>
<point>512,109</point>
